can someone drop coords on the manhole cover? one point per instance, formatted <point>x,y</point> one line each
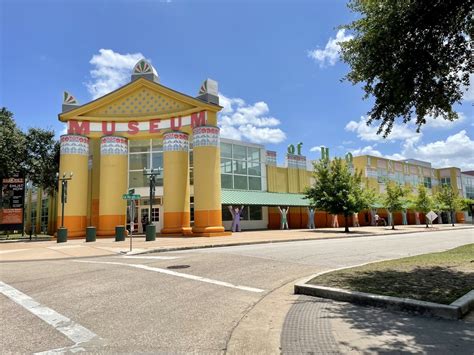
<point>178,267</point>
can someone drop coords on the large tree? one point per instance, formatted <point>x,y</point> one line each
<point>337,190</point>
<point>12,145</point>
<point>448,200</point>
<point>42,159</point>
<point>394,199</point>
<point>413,56</point>
<point>423,202</point>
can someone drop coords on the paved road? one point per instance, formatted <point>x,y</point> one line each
<point>233,299</point>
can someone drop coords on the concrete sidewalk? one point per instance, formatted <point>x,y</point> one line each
<point>26,250</point>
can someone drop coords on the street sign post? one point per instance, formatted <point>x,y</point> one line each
<point>131,197</point>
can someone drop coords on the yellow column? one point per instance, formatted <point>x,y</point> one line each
<point>176,183</point>
<point>74,159</point>
<point>207,182</point>
<point>113,184</point>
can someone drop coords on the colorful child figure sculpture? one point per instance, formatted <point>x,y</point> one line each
<point>283,217</point>
<point>236,214</point>
<point>334,222</point>
<point>311,224</point>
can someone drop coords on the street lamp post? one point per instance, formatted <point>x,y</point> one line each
<point>62,233</point>
<point>152,173</point>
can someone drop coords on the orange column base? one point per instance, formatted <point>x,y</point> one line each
<point>76,226</point>
<point>209,224</point>
<point>176,224</point>
<point>107,224</point>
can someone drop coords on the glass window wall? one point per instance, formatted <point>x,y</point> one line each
<point>147,153</point>
<point>241,167</point>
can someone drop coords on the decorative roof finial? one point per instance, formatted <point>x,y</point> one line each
<point>68,99</point>
<point>69,102</point>
<point>143,69</point>
<point>209,92</point>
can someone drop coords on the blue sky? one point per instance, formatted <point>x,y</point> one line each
<point>276,63</point>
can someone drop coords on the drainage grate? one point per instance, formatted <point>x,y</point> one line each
<point>178,267</point>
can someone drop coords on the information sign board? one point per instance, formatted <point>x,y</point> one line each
<point>13,196</point>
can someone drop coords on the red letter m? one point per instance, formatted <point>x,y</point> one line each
<point>76,127</point>
<point>198,119</point>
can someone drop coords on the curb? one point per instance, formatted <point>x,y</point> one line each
<point>455,310</point>
<point>164,250</point>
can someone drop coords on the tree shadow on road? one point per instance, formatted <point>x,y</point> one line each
<point>400,332</point>
<point>364,329</point>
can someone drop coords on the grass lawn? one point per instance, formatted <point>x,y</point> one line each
<point>436,277</point>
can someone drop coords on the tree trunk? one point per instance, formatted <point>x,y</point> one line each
<point>453,217</point>
<point>393,222</point>
<point>346,229</point>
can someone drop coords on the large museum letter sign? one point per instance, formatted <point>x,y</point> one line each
<point>13,195</point>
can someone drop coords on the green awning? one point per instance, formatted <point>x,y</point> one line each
<point>262,198</point>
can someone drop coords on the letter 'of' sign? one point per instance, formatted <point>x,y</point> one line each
<point>291,148</point>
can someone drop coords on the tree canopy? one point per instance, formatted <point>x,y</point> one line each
<point>448,200</point>
<point>337,190</point>
<point>34,154</point>
<point>423,201</point>
<point>12,145</point>
<point>394,199</point>
<point>413,56</point>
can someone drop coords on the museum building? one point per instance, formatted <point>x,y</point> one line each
<point>145,125</point>
<point>113,141</point>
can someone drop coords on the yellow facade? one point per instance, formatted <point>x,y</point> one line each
<point>287,180</point>
<point>408,173</point>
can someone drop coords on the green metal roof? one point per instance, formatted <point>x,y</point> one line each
<point>262,198</point>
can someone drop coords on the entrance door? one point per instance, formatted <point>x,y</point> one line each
<point>144,217</point>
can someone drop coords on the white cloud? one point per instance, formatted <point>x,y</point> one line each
<point>369,133</point>
<point>239,120</point>
<point>315,149</point>
<point>330,54</point>
<point>456,150</point>
<point>439,122</point>
<point>111,70</point>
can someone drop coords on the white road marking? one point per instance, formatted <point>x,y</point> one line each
<point>178,274</point>
<point>148,257</point>
<point>74,331</point>
<point>10,251</point>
